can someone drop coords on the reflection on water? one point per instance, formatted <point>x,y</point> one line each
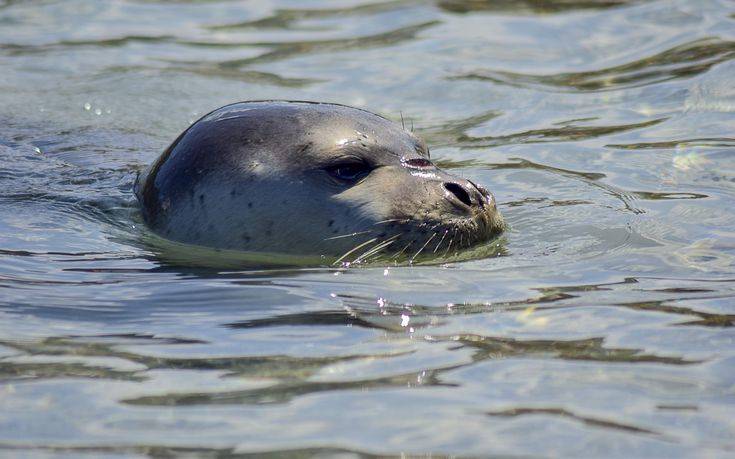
<point>534,6</point>
<point>600,324</point>
<point>679,62</point>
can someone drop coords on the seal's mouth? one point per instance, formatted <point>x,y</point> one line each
<point>409,240</point>
<point>448,237</point>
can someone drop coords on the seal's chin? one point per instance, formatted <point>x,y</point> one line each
<point>447,237</point>
<point>408,239</point>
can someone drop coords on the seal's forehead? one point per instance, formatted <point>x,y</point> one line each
<point>345,128</point>
<point>229,112</point>
<point>329,127</point>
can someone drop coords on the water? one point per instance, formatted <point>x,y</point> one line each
<point>604,128</point>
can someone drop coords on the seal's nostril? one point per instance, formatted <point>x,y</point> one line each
<point>484,194</point>
<point>459,192</point>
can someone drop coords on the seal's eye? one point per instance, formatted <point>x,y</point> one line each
<point>349,171</point>
<point>417,163</point>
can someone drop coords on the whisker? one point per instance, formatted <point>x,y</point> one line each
<point>450,245</point>
<point>422,247</point>
<point>355,249</point>
<point>402,220</point>
<point>348,235</point>
<point>403,249</point>
<point>377,248</point>
<point>440,241</point>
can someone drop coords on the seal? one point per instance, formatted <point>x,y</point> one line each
<point>310,178</point>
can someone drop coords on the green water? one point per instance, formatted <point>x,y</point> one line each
<point>605,129</point>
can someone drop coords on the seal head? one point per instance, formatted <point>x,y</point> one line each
<point>310,178</point>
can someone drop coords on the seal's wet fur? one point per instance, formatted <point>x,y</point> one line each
<point>259,176</point>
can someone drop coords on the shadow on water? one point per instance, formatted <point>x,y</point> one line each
<point>14,49</point>
<point>271,366</point>
<point>233,69</point>
<point>213,70</point>
<point>567,414</point>
<point>382,314</point>
<point>592,349</point>
<point>454,132</point>
<point>682,61</point>
<point>530,6</point>
<point>283,50</point>
<point>287,17</point>
<point>292,376</point>
<point>722,142</point>
<point>164,451</point>
<point>286,391</point>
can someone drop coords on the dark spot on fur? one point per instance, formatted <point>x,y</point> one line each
<point>331,222</point>
<point>201,198</point>
<point>335,231</point>
<point>246,237</point>
<point>382,234</point>
<point>250,205</point>
<point>304,147</point>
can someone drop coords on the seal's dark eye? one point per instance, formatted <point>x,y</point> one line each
<point>349,172</point>
<point>418,163</point>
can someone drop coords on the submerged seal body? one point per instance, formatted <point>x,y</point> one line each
<point>312,179</point>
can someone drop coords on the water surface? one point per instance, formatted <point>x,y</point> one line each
<point>604,128</point>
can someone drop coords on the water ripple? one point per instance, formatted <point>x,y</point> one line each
<point>681,61</point>
<point>285,18</point>
<point>568,133</point>
<point>284,50</point>
<point>603,127</point>
<point>530,6</point>
<point>560,412</point>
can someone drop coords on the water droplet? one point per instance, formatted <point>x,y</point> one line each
<point>97,111</point>
<point>87,106</point>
